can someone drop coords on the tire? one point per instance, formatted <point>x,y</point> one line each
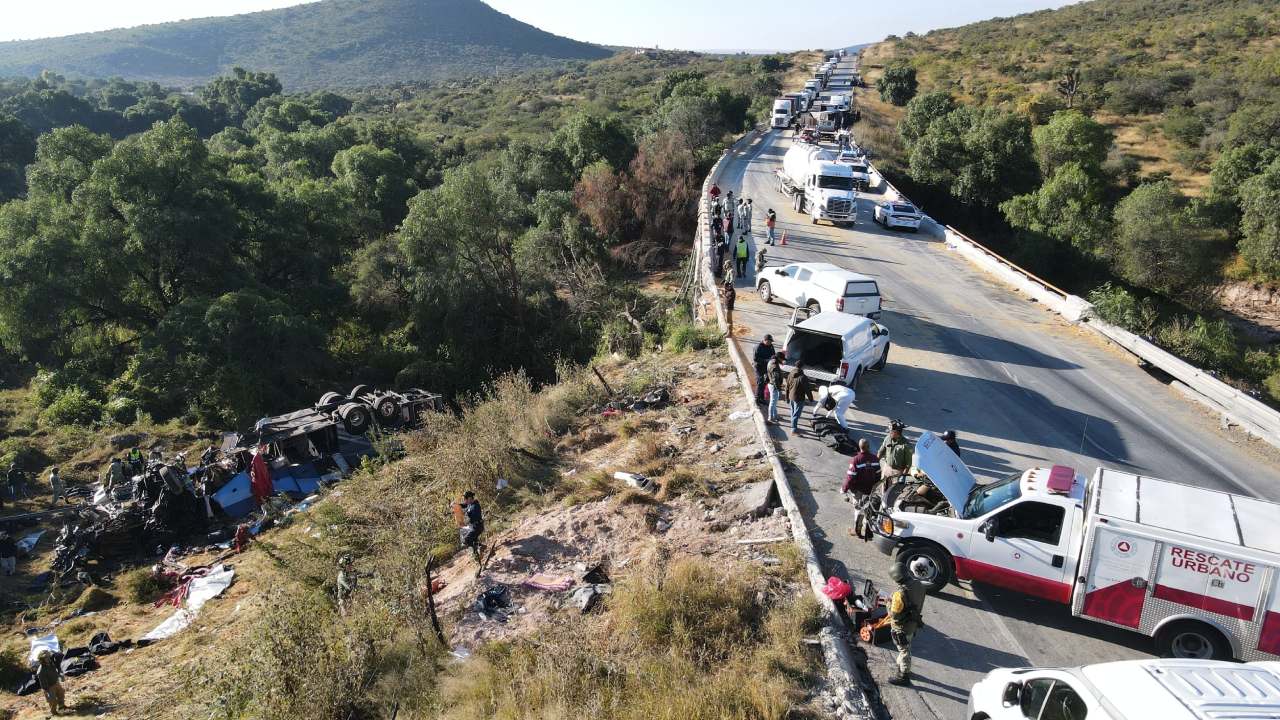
<point>355,418</point>
<point>1192,639</point>
<point>388,409</point>
<point>357,391</point>
<point>884,359</point>
<point>797,203</point>
<point>938,561</point>
<point>329,398</point>
<point>814,306</point>
<point>857,377</point>
<point>766,292</point>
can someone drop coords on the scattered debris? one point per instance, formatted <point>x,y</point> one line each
<point>199,591</point>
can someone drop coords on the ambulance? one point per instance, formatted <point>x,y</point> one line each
<point>1195,569</point>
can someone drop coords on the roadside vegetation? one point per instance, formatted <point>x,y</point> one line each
<point>1124,150</point>
<point>236,253</point>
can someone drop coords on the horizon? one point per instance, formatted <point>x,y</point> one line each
<point>622,26</point>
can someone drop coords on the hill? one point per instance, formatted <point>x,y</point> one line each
<point>1165,76</point>
<point>330,44</point>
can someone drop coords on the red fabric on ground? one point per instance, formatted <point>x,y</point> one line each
<point>260,480</point>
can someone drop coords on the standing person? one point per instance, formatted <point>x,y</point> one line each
<point>770,222</point>
<point>729,295</point>
<point>949,439</point>
<point>864,471</point>
<point>714,192</point>
<point>906,615</point>
<point>776,381</point>
<point>56,487</point>
<point>473,525</point>
<point>895,452</point>
<point>835,399</point>
<point>49,678</point>
<point>760,359</point>
<point>136,461</point>
<point>8,554</point>
<point>17,484</point>
<point>798,392</point>
<point>747,213</point>
<point>114,476</point>
<point>741,257</point>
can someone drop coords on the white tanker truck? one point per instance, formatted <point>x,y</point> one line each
<point>818,185</point>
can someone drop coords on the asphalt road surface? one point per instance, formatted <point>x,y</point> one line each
<point>1022,387</point>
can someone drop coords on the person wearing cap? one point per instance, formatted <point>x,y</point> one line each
<point>760,359</point>
<point>49,678</point>
<point>906,615</point>
<point>895,452</point>
<point>741,257</point>
<point>949,439</point>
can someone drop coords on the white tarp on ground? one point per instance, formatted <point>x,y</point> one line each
<point>44,642</point>
<point>202,590</point>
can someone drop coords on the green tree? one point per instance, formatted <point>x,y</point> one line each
<point>378,183</point>
<point>17,150</point>
<point>922,111</point>
<point>898,83</point>
<point>1260,221</point>
<point>981,155</point>
<point>586,139</point>
<point>1070,207</point>
<point>235,94</point>
<point>1235,166</point>
<point>1157,242</point>
<point>1071,137</point>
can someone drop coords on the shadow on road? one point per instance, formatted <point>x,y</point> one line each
<point>917,332</point>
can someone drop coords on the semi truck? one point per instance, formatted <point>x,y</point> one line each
<point>781,113</point>
<point>817,185</point>
<point>1196,569</point>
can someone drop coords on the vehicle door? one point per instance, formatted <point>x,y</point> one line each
<point>861,297</point>
<point>801,288</point>
<point>782,283</point>
<point>1023,547</point>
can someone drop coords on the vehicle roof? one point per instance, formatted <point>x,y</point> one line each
<point>1178,689</point>
<point>826,167</point>
<point>1211,514</point>
<point>829,269</point>
<point>834,323</point>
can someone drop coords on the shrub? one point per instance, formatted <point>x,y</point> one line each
<point>682,336</point>
<point>1208,344</point>
<point>898,84</point>
<point>1184,126</point>
<point>142,586</point>
<point>121,409</point>
<point>1119,307</point>
<point>1272,385</point>
<point>73,406</point>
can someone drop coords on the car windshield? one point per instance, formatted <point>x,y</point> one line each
<point>831,182</point>
<point>985,498</point>
<point>904,209</point>
<point>859,168</point>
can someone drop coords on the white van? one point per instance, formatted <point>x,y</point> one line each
<point>835,347</point>
<point>1130,690</point>
<point>818,286</point>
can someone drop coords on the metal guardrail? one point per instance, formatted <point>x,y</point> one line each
<point>1010,264</point>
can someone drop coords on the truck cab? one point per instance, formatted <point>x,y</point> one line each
<point>1022,533</point>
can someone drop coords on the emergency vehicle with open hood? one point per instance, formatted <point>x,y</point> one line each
<point>1194,568</point>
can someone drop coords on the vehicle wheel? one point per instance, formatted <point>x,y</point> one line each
<point>884,359</point>
<point>357,391</point>
<point>1192,640</point>
<point>388,410</point>
<point>798,203</point>
<point>929,564</point>
<point>766,292</point>
<point>857,376</point>
<point>815,221</point>
<point>329,398</point>
<point>355,418</point>
<point>814,307</point>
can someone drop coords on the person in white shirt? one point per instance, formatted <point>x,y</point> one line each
<point>834,400</point>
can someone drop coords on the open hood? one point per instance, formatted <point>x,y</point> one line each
<point>948,474</point>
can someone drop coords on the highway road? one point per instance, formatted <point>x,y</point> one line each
<point>1022,388</point>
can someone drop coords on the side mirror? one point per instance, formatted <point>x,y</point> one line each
<point>1012,696</point>
<point>988,530</point>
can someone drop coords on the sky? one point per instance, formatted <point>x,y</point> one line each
<point>703,25</point>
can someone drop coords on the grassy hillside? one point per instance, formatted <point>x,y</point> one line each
<point>330,44</point>
<point>1165,75</point>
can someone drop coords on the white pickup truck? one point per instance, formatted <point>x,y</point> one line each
<point>818,286</point>
<point>835,346</point>
<point>1196,569</point>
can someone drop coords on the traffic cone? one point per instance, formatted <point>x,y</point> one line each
<point>784,238</point>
